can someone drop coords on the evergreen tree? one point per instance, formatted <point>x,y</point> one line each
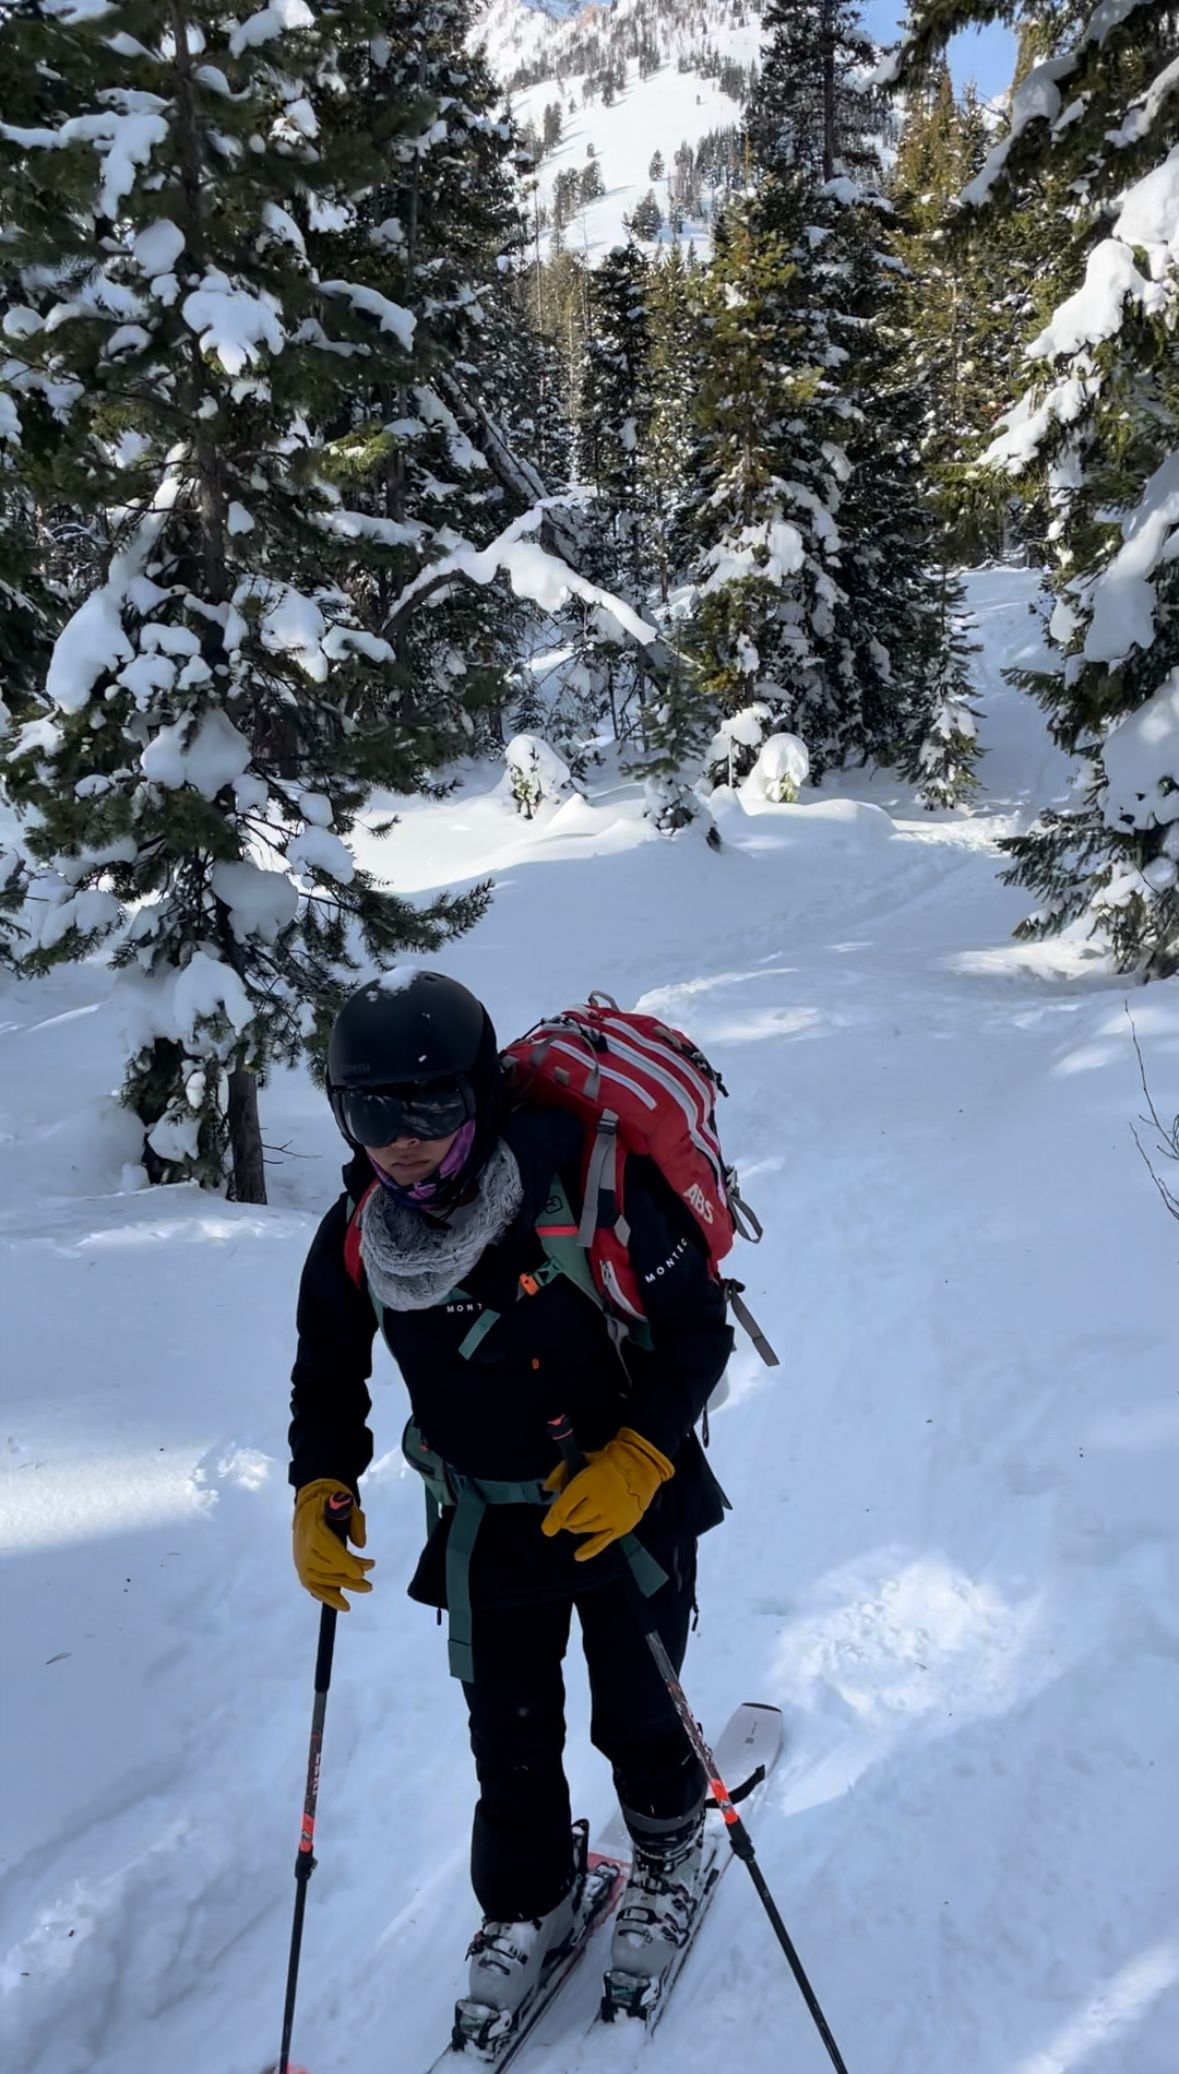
<point>1100,424</point>
<point>429,223</point>
<point>765,576</point>
<point>614,414</point>
<point>647,220</point>
<point>218,709</point>
<point>810,114</point>
<point>972,289</point>
<point>671,458</point>
<point>847,452</point>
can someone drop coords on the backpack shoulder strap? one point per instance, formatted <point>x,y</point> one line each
<point>567,1251</point>
<point>353,1263</point>
<point>560,1234</point>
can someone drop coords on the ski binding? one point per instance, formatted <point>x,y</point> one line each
<point>490,2034</point>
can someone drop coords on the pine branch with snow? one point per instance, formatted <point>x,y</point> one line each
<point>216,711</point>
<point>1096,431</point>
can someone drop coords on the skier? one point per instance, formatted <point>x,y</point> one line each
<point>452,1177</point>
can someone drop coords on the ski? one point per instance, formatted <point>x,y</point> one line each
<point>492,2037</point>
<point>746,1754</point>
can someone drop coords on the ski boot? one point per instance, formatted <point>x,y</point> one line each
<point>654,1920</point>
<point>511,1963</point>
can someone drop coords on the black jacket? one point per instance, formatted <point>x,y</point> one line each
<point>547,1353</point>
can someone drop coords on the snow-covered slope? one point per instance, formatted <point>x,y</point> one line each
<point>674,96</point>
<point>954,1554</point>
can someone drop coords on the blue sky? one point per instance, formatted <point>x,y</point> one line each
<point>985,55</point>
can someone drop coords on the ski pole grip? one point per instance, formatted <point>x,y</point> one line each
<point>561,1430</point>
<point>338,1511</point>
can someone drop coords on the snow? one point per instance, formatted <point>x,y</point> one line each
<point>1140,120</point>
<point>782,768</point>
<point>1149,213</point>
<point>953,1552</point>
<point>1097,309</point>
<point>1029,422</point>
<point>123,140</point>
<point>401,322</point>
<point>1123,599</point>
<point>268,23</point>
<point>234,323</point>
<point>316,808</point>
<point>317,851</point>
<point>661,112</point>
<point>535,774</point>
<point>93,639</point>
<point>1038,97</point>
<point>282,225</point>
<point>399,977</point>
<point>261,903</point>
<point>772,550</point>
<point>1141,757</point>
<point>292,624</point>
<point>205,990</point>
<point>531,570</point>
<point>158,247</point>
<point>206,757</point>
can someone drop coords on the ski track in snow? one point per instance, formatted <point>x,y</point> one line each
<point>953,1560</point>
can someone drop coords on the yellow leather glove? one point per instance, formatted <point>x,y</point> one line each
<point>608,1498</point>
<point>325,1565</point>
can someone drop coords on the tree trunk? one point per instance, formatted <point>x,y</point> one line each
<point>248,1182</point>
<point>828,91</point>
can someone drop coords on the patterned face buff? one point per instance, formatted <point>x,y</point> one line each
<point>425,1192</point>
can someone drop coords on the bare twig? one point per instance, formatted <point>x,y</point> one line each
<point>1167,1135</point>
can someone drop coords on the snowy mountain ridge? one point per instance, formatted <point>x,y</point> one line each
<point>629,81</point>
<point>572,37</point>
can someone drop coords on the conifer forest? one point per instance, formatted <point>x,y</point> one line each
<point>650,527</point>
<point>308,422</point>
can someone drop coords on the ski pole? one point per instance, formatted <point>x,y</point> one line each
<point>338,1513</point>
<point>739,1837</point>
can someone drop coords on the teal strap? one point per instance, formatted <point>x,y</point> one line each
<point>647,1573</point>
<point>478,1333</point>
<point>557,1230</point>
<point>466,1498</point>
<point>460,1547</point>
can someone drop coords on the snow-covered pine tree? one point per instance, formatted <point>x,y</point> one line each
<point>810,113</point>
<point>669,457</point>
<point>973,284</point>
<point>816,129</point>
<point>765,587</point>
<point>1100,114</point>
<point>901,615</point>
<point>424,213</point>
<point>614,409</point>
<point>774,425</point>
<point>946,300</point>
<point>217,710</point>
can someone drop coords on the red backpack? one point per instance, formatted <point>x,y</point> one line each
<point>638,1086</point>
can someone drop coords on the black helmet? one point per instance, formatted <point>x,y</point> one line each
<point>411,1052</point>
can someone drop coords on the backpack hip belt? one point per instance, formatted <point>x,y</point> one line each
<point>467,1498</point>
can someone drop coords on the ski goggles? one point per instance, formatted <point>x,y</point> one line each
<point>380,1115</point>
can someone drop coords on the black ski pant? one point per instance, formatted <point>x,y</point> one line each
<point>521,1861</point>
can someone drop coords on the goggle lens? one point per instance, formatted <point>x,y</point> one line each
<point>379,1116</point>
